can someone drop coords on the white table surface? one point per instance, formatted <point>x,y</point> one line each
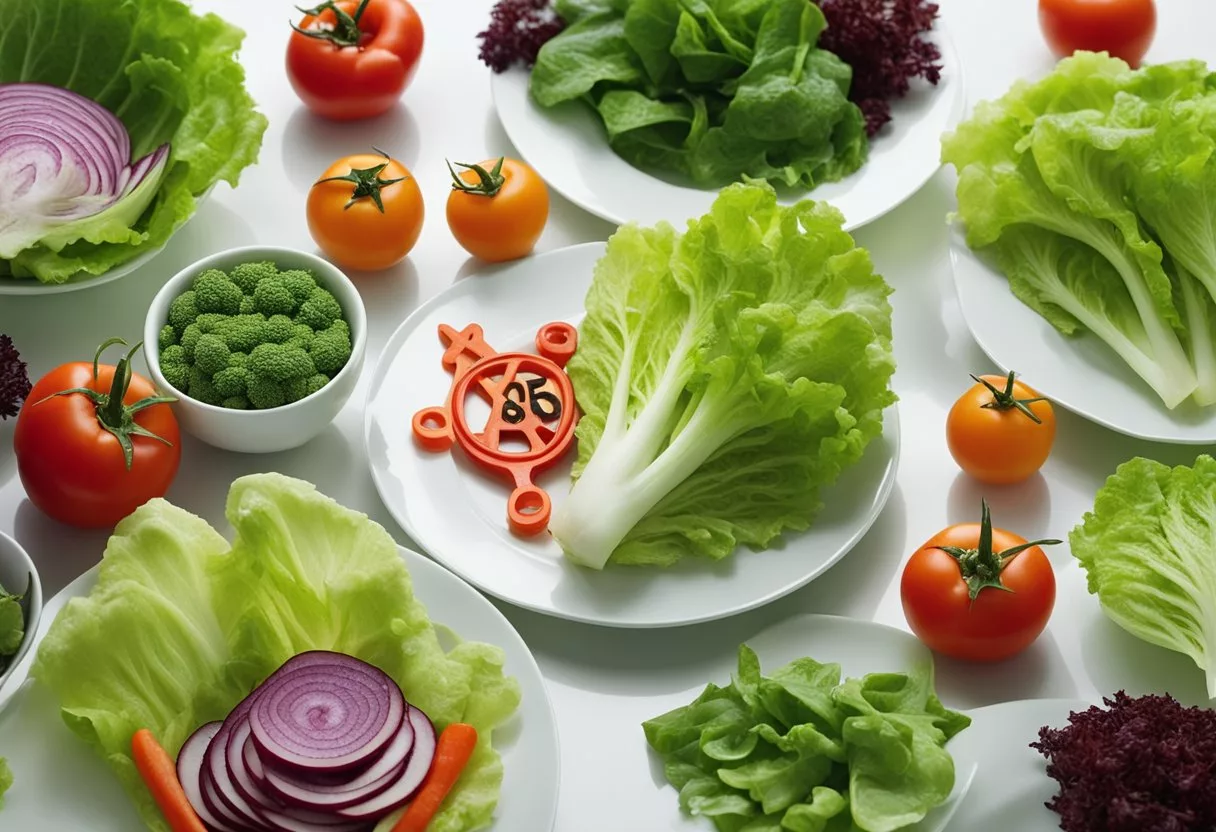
<point>447,113</point>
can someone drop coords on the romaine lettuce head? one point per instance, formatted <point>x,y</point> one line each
<point>1149,550</point>
<point>303,573</point>
<point>169,75</point>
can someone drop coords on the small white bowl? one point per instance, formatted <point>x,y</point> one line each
<point>16,571</point>
<point>274,429</point>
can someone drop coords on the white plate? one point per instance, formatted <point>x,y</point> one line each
<point>1011,785</point>
<point>32,286</point>
<point>457,514</point>
<point>640,797</point>
<point>567,146</point>
<point>45,755</point>
<point>1079,373</point>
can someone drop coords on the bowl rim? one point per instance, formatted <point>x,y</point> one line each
<point>358,327</point>
<point>35,606</point>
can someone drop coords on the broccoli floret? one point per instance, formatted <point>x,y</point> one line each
<point>211,354</point>
<point>174,367</point>
<point>235,403</point>
<point>231,381</point>
<point>243,333</point>
<point>331,349</point>
<point>247,275</point>
<point>182,311</point>
<point>280,363</point>
<point>214,292</point>
<point>301,336</point>
<point>320,310</point>
<point>299,388</point>
<point>272,297</point>
<point>299,282</point>
<point>201,388</point>
<point>210,321</point>
<point>265,393</point>
<point>278,329</point>
<point>189,341</point>
<point>167,337</point>
<point>248,307</point>
<point>238,359</point>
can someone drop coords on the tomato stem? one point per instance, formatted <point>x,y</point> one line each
<point>112,413</point>
<point>1005,400</point>
<point>344,32</point>
<point>982,567</point>
<point>489,182</point>
<point>367,182</point>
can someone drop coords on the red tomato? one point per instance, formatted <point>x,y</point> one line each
<point>69,445</point>
<point>359,66</point>
<point>1124,28</point>
<point>955,612</point>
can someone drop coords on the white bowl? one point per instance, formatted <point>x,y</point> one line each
<point>279,428</point>
<point>16,570</point>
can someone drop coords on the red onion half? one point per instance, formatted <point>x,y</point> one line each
<point>64,159</point>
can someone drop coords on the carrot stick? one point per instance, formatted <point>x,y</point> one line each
<point>160,776</point>
<point>452,754</point>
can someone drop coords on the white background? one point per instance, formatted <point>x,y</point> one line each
<point>447,113</point>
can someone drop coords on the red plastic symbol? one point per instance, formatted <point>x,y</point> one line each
<point>531,402</point>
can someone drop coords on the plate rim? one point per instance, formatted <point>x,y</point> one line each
<point>891,433</point>
<point>950,54</point>
<point>83,584</point>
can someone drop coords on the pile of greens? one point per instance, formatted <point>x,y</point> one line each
<point>725,376</point>
<point>802,751</point>
<point>303,573</point>
<point>714,91</point>
<point>1148,550</point>
<point>1094,191</point>
<point>170,76</point>
<point>14,610</point>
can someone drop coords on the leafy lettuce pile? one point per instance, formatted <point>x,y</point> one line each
<point>1149,550</point>
<point>802,751</point>
<point>724,376</point>
<point>712,90</point>
<point>1094,191</point>
<point>169,75</point>
<point>181,626</point>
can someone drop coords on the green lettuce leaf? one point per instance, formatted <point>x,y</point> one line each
<point>1149,551</point>
<point>303,573</point>
<point>169,75</point>
<point>870,757</point>
<point>724,376</point>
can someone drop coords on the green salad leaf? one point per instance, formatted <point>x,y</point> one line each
<point>710,90</point>
<point>724,376</point>
<point>6,779</point>
<point>1149,550</point>
<point>168,74</point>
<point>803,751</point>
<point>303,573</point>
<point>1093,191</point>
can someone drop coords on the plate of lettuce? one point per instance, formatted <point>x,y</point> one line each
<point>737,436</point>
<point>176,625</point>
<point>120,117</point>
<point>1086,254</point>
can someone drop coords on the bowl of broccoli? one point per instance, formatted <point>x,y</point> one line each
<point>262,346</point>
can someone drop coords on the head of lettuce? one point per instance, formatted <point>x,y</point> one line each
<point>170,76</point>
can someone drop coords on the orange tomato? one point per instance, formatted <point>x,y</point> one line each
<point>366,212</point>
<point>992,435</point>
<point>1124,28</point>
<point>500,215</point>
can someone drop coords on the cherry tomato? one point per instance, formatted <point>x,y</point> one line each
<point>955,611</point>
<point>83,447</point>
<point>1124,28</point>
<point>354,58</point>
<point>1000,434</point>
<point>366,212</point>
<point>498,209</point>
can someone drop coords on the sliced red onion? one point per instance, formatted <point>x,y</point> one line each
<point>190,775</point>
<point>329,713</point>
<point>63,158</point>
<point>400,793</point>
<point>217,770</point>
<point>211,800</point>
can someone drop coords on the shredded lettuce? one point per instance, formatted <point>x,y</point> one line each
<point>169,75</point>
<point>303,573</point>
<point>1149,550</point>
